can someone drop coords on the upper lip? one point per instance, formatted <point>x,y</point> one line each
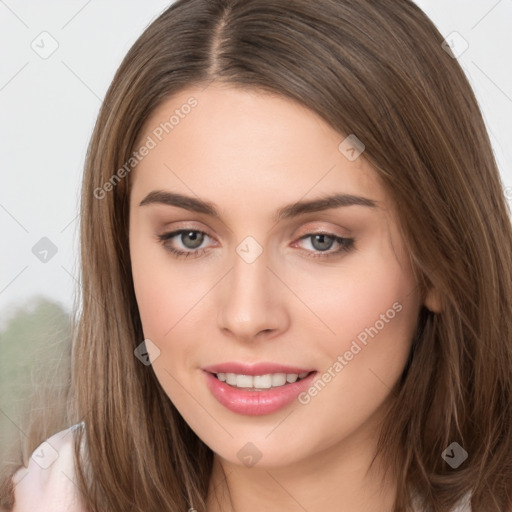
<point>262,368</point>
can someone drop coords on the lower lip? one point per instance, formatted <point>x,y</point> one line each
<point>256,403</point>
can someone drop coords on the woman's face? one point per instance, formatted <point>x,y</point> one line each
<point>257,285</point>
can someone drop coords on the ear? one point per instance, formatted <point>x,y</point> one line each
<point>433,300</point>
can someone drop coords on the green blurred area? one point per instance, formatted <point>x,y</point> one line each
<point>34,369</point>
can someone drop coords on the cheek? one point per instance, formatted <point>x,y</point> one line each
<point>163,291</point>
<point>166,299</point>
<point>377,297</point>
<point>363,291</point>
<point>372,307</point>
<point>368,307</point>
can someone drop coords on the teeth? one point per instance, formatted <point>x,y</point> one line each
<point>267,381</point>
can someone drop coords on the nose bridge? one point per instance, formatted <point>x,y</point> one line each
<point>251,302</point>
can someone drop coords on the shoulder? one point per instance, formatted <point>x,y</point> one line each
<point>49,481</point>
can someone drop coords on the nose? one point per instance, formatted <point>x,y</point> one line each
<point>252,301</point>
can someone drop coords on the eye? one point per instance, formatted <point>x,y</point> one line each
<point>192,239</point>
<point>322,242</point>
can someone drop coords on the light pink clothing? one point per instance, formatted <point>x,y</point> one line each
<point>48,484</point>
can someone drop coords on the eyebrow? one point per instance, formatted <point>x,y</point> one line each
<point>292,210</point>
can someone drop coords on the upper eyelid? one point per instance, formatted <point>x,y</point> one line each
<point>347,233</point>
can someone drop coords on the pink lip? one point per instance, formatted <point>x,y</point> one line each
<point>256,403</point>
<point>262,368</point>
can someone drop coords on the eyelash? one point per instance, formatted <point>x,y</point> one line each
<point>346,244</point>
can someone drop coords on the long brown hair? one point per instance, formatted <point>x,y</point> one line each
<point>375,69</point>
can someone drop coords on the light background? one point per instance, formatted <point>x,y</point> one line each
<point>48,108</point>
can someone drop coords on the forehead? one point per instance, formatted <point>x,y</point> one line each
<point>221,139</point>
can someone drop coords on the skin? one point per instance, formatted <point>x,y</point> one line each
<point>252,153</point>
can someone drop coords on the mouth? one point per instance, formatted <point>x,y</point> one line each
<point>259,393</point>
<point>262,382</point>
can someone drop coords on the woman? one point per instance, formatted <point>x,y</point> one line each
<point>296,274</point>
